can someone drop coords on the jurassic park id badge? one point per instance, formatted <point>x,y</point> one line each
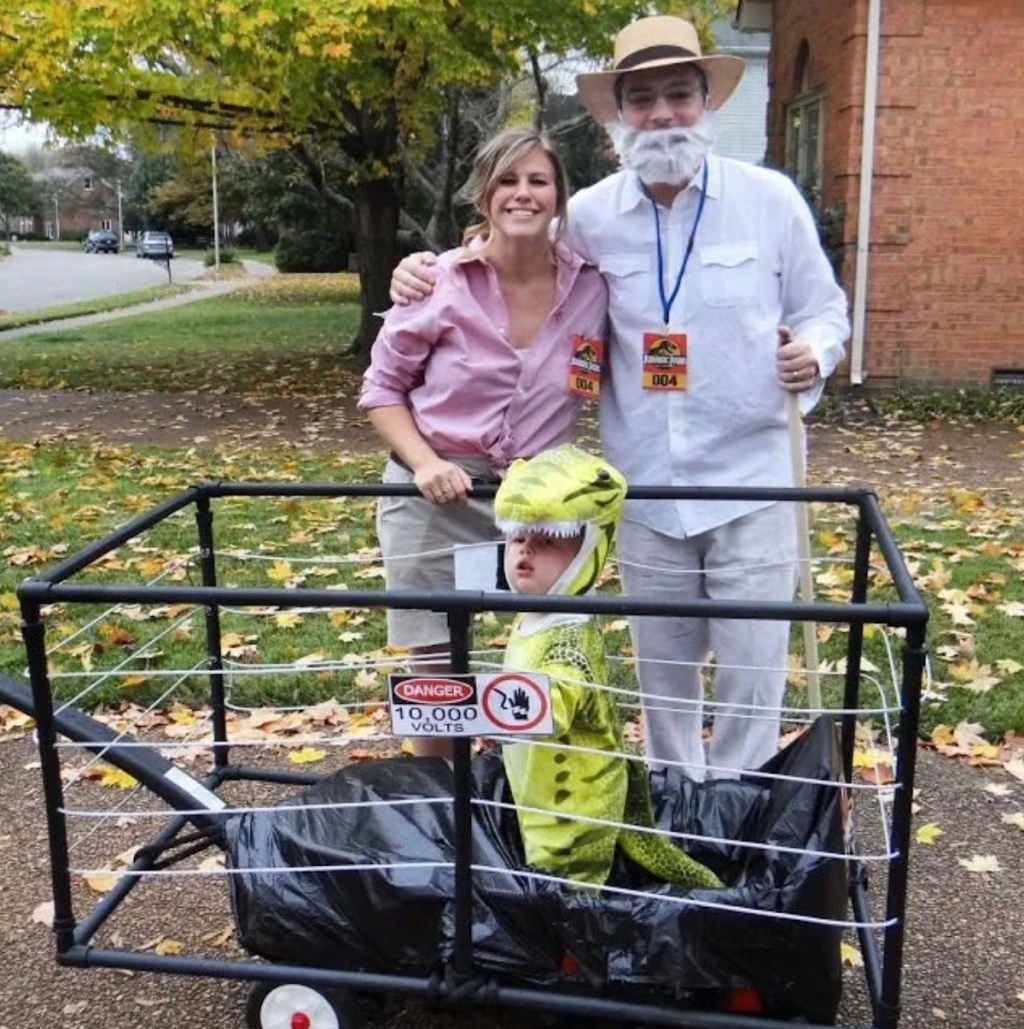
<point>585,366</point>
<point>664,360</point>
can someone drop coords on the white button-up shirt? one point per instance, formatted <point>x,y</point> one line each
<point>757,264</point>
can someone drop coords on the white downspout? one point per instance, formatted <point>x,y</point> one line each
<point>867,160</point>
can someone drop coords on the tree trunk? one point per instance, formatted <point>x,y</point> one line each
<point>377,209</point>
<point>443,228</point>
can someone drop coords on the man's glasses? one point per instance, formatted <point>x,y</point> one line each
<point>645,97</point>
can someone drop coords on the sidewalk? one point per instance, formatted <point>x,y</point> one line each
<point>198,289</point>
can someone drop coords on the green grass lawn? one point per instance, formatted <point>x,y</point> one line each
<point>265,339</point>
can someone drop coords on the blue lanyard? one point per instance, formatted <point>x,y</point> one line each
<point>667,302</point>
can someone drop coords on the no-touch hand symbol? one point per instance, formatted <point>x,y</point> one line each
<point>514,702</point>
<point>518,703</point>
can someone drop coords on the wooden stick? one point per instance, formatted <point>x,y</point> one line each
<point>803,541</point>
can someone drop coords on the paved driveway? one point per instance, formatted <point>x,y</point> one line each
<point>33,277</point>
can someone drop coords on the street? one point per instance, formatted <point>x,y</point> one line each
<point>33,278</point>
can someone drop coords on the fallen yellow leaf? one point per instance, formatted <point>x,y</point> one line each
<point>965,500</point>
<point>929,833</point>
<point>115,777</point>
<point>307,756</point>
<point>279,571</point>
<point>981,863</point>
<point>220,937</point>
<point>169,947</point>
<point>366,680</point>
<point>310,659</point>
<point>870,758</point>
<point>850,955</point>
<point>1017,819</point>
<point>181,715</point>
<point>374,572</point>
<point>102,881</point>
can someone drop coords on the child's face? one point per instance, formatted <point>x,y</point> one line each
<point>534,562</point>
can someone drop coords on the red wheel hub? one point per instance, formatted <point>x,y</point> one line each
<point>300,1020</point>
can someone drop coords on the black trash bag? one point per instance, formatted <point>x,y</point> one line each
<point>530,931</point>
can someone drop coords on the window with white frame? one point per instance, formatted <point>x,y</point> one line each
<point>804,135</point>
<point>88,182</point>
<point>106,224</point>
<point>27,225</point>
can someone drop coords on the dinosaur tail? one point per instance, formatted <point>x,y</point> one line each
<point>655,853</point>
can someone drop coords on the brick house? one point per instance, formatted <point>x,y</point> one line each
<point>75,200</point>
<point>929,95</point>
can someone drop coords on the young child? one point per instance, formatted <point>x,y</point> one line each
<point>559,510</point>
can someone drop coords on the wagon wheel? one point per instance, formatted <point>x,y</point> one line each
<point>294,1006</point>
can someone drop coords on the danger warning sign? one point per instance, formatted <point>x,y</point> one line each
<point>471,705</point>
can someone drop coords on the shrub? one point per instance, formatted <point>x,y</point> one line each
<point>312,250</point>
<point>226,257</point>
<point>913,405</point>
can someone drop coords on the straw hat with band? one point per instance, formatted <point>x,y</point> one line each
<point>657,42</point>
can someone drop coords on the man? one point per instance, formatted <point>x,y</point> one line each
<point>721,301</point>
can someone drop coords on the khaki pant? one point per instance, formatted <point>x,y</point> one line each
<point>751,558</point>
<point>416,539</point>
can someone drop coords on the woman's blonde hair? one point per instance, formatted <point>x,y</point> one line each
<point>493,160</point>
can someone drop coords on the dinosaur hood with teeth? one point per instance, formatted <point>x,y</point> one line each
<point>564,492</point>
<point>580,796</point>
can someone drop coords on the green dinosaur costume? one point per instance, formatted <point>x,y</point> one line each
<point>565,492</point>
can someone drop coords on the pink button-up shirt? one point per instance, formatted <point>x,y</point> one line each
<point>472,394</point>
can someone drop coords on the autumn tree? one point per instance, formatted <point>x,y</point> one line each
<point>362,80</point>
<point>19,192</point>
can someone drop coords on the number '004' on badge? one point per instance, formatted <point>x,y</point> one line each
<point>664,360</point>
<point>512,703</point>
<point>585,366</point>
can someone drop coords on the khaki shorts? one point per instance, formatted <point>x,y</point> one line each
<point>416,538</point>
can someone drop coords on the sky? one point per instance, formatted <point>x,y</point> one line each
<point>16,138</point>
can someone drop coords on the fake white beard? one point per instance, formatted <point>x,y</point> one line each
<point>671,156</point>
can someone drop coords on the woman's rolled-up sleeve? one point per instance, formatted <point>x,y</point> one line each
<point>401,351</point>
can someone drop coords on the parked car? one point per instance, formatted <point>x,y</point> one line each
<point>154,244</point>
<point>101,241</point>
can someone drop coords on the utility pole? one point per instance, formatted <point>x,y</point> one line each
<point>120,220</point>
<point>56,218</point>
<point>216,212</point>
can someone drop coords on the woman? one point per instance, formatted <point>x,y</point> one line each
<point>493,366</point>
